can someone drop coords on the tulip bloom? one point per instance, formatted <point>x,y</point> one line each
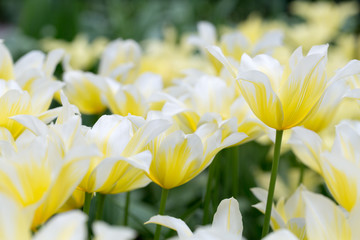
<point>284,97</point>
<point>288,214</point>
<point>124,160</point>
<point>179,157</point>
<point>15,223</point>
<point>43,167</point>
<point>339,167</point>
<point>227,224</point>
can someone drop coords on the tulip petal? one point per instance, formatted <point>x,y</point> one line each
<point>307,146</point>
<point>228,217</point>
<point>324,220</point>
<point>70,226</point>
<point>104,231</point>
<point>282,234</point>
<point>256,89</point>
<point>176,224</point>
<point>217,53</point>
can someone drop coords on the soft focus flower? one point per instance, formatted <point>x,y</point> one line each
<point>134,99</point>
<point>27,87</point>
<point>227,224</point>
<point>339,167</point>
<point>323,22</point>
<point>170,59</point>
<point>121,60</point>
<point>83,54</point>
<point>287,214</point>
<point>251,38</point>
<point>42,168</point>
<point>201,98</point>
<point>15,223</point>
<point>326,220</point>
<point>282,234</point>
<point>104,231</point>
<point>82,90</point>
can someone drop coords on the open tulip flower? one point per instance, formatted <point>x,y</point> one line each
<point>284,97</point>
<point>121,60</point>
<point>15,224</point>
<point>204,97</point>
<point>288,214</point>
<point>26,87</point>
<point>250,39</point>
<point>43,167</point>
<point>124,159</point>
<point>227,224</point>
<point>179,157</point>
<point>326,220</point>
<point>339,167</point>
<point>124,99</point>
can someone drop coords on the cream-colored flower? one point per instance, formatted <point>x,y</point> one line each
<point>179,157</point>
<point>104,231</point>
<point>82,53</point>
<point>280,97</point>
<point>43,167</point>
<point>289,214</point>
<point>227,224</point>
<point>124,159</point>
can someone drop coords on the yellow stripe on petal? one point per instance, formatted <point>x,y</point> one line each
<point>263,101</point>
<point>6,64</point>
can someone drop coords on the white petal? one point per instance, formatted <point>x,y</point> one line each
<point>13,222</point>
<point>350,69</point>
<point>228,217</point>
<point>307,146</point>
<point>324,220</point>
<point>282,234</point>
<point>174,223</point>
<point>70,226</point>
<point>218,54</point>
<point>104,231</point>
<point>32,123</point>
<point>52,59</point>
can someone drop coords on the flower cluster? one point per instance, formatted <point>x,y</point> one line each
<point>163,113</point>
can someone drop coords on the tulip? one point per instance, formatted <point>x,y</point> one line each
<point>288,213</point>
<point>104,231</point>
<point>283,98</point>
<point>227,224</point>
<point>42,168</point>
<point>15,224</point>
<point>338,167</point>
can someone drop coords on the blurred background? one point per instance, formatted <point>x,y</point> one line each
<point>23,22</point>
<point>27,25</point>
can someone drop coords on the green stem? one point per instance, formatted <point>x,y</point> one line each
<point>207,199</point>
<point>164,195</point>
<point>302,170</point>
<point>235,170</point>
<point>274,169</point>
<point>126,210</point>
<point>87,203</point>
<point>100,199</point>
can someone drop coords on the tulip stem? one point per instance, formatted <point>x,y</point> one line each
<point>207,199</point>
<point>235,170</point>
<point>100,199</point>
<point>164,195</point>
<point>126,210</point>
<point>301,176</point>
<point>274,169</point>
<point>87,203</point>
